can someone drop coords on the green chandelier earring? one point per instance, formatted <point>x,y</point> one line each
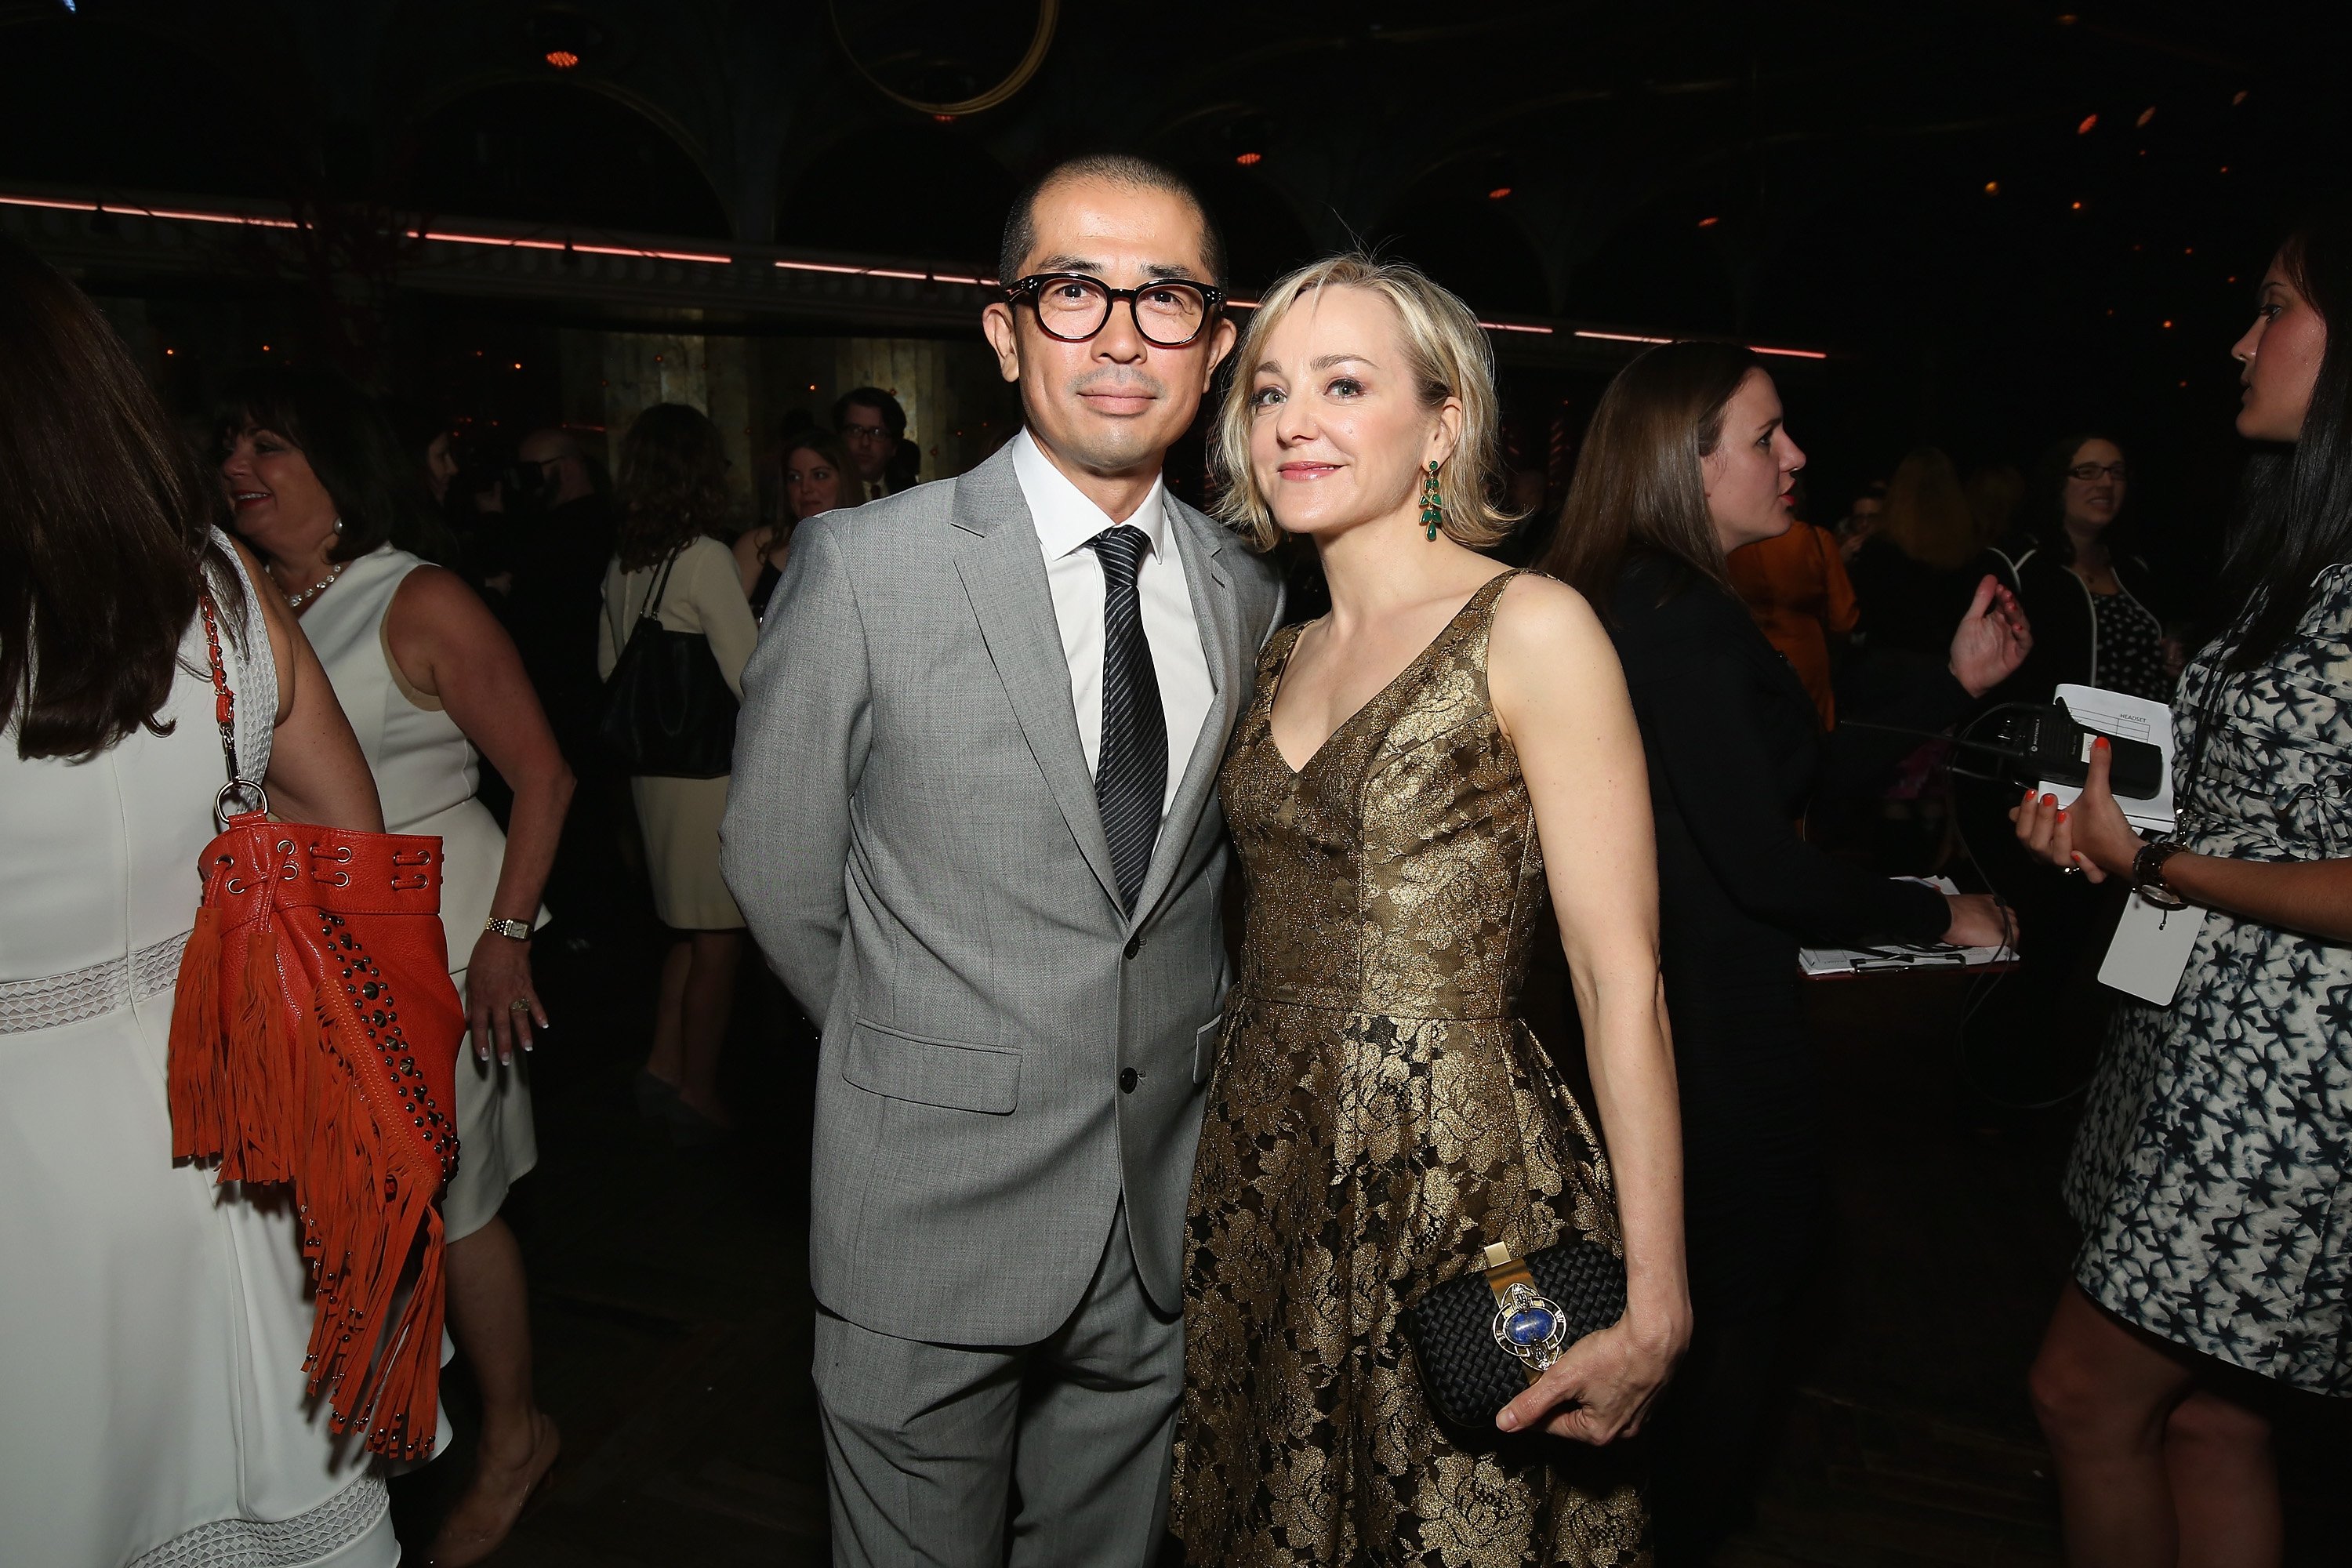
<point>1432,505</point>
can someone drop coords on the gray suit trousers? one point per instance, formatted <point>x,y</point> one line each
<point>925,1442</point>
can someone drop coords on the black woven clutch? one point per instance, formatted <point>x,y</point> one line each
<point>1466,1373</point>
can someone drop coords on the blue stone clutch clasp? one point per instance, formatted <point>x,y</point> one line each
<point>1529,1327</point>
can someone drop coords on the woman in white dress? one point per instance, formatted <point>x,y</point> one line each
<point>672,498</point>
<point>319,486</point>
<point>155,1324</point>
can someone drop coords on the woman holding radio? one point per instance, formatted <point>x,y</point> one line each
<point>2208,1174</point>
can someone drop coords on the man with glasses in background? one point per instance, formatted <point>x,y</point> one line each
<point>973,825</point>
<point>872,428</point>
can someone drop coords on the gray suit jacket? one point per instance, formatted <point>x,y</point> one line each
<point>911,833</point>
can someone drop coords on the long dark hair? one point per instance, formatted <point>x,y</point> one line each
<point>377,484</point>
<point>673,483</point>
<point>2295,517</point>
<point>1637,484</point>
<point>2043,514</point>
<point>106,523</point>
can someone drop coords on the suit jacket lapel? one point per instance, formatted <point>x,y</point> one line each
<point>1004,573</point>
<point>1224,640</point>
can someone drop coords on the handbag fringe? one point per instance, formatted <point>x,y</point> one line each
<point>243,1091</point>
<point>197,1089</point>
<point>361,1219</point>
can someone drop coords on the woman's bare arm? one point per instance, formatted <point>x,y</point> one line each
<point>2310,896</point>
<point>1561,697</point>
<point>449,646</point>
<point>317,772</point>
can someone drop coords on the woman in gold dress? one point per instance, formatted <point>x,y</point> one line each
<point>1418,768</point>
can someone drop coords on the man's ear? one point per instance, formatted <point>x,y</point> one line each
<point>996,321</point>
<point>1220,343</point>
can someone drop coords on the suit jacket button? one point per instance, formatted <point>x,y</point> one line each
<point>1134,945</point>
<point>1126,1080</point>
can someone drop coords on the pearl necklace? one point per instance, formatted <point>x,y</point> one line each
<point>296,601</point>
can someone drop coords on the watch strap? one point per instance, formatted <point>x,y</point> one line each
<point>518,930</point>
<point>2148,874</point>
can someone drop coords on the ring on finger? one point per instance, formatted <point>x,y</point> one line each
<point>519,1004</point>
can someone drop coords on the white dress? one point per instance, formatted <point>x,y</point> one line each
<point>680,817</point>
<point>152,1325</point>
<point>427,772</point>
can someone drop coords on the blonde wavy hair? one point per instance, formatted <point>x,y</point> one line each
<point>1447,354</point>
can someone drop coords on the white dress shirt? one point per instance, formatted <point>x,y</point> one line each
<point>1065,520</point>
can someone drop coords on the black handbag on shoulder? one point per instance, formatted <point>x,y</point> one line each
<point>1484,1337</point>
<point>668,712</point>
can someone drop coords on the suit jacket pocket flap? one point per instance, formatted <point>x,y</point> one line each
<point>1205,1048</point>
<point>931,1072</point>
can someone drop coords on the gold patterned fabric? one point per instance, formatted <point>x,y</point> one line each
<point>1376,1117</point>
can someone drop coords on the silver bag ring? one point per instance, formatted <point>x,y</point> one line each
<point>237,789</point>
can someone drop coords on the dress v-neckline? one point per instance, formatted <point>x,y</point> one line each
<point>1374,701</point>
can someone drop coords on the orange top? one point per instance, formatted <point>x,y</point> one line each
<point>1797,589</point>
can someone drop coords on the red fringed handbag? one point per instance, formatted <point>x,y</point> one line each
<point>314,1042</point>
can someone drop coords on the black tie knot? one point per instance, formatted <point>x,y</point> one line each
<point>1122,548</point>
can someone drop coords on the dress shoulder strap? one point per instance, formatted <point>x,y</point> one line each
<point>256,670</point>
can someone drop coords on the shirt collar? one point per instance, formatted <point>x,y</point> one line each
<point>1064,517</point>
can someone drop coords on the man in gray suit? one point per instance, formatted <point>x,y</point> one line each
<point>973,825</point>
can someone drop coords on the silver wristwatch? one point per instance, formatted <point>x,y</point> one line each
<point>518,929</point>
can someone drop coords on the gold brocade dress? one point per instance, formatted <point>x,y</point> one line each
<point>1376,1117</point>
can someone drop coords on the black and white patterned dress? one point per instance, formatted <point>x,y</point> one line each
<point>2209,1175</point>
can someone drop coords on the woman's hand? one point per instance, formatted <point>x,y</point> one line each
<point>497,977</point>
<point>1978,920</point>
<point>2091,835</point>
<point>1992,639</point>
<point>1604,1385</point>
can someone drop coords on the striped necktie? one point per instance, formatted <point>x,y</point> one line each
<point>1132,768</point>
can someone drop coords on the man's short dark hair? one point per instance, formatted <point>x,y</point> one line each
<point>894,418</point>
<point>1118,169</point>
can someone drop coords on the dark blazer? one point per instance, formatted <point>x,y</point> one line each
<point>1734,746</point>
<point>1733,749</point>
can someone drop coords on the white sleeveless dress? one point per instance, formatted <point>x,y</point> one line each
<point>426,771</point>
<point>152,1325</point>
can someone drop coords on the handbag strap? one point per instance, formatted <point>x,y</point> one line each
<point>225,713</point>
<point>652,607</point>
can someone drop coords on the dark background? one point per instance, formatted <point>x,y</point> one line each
<point>2003,221</point>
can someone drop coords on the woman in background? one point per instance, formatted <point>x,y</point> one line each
<point>817,478</point>
<point>157,1324</point>
<point>673,503</point>
<point>2086,590</point>
<point>1686,460</point>
<point>2210,1172</point>
<point>319,485</point>
<point>1912,576</point>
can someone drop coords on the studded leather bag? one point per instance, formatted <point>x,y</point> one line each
<point>314,1042</point>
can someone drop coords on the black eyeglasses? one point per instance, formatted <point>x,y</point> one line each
<point>2086,472</point>
<point>1074,306</point>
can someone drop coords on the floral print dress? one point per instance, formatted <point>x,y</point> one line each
<point>2209,1173</point>
<point>1376,1117</point>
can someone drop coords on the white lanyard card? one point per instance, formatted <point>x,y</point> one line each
<point>2150,950</point>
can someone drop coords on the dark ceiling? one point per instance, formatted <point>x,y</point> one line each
<point>2005,218</point>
